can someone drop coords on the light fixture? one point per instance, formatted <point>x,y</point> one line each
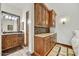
<point>63,20</point>
<point>6,16</point>
<point>13,18</point>
<point>10,17</point>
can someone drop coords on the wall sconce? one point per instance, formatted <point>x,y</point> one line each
<point>63,20</point>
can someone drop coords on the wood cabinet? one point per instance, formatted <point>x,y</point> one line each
<point>42,45</point>
<point>13,40</point>
<point>38,14</point>
<point>52,16</point>
<point>43,16</point>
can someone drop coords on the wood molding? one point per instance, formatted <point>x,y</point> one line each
<point>49,50</point>
<point>35,54</point>
<point>65,45</point>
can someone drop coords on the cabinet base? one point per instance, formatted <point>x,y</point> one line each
<point>37,54</point>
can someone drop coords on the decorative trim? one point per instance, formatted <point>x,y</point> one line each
<point>65,45</point>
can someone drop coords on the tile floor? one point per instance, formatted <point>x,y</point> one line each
<point>60,50</point>
<point>22,52</point>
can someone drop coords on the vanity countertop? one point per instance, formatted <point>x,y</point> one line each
<point>44,34</point>
<point>11,33</point>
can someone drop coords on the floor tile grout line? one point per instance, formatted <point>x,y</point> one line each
<point>67,51</point>
<point>58,51</point>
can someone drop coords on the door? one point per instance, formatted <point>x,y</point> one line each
<point>0,29</point>
<point>27,28</point>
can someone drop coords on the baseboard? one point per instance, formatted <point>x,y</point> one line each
<point>69,46</point>
<point>25,45</point>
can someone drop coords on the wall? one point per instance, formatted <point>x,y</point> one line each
<point>29,7</point>
<point>71,12</point>
<point>10,9</point>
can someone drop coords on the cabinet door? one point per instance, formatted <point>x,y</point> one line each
<point>21,39</point>
<point>47,44</point>
<point>51,39</point>
<point>47,18</point>
<point>39,45</point>
<point>15,40</point>
<point>53,18</point>
<point>38,14</point>
<point>43,17</point>
<point>3,42</point>
<point>50,19</point>
<point>8,42</point>
<point>55,37</point>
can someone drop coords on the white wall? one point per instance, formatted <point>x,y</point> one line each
<point>11,9</point>
<point>29,7</point>
<point>71,11</point>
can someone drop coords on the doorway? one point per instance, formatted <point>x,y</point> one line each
<point>27,29</point>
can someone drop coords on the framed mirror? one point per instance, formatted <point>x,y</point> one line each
<point>10,22</point>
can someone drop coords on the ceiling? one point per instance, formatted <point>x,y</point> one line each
<point>17,5</point>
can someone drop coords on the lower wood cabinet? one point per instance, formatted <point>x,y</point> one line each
<point>43,45</point>
<point>13,40</point>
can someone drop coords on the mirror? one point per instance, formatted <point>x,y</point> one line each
<point>10,22</point>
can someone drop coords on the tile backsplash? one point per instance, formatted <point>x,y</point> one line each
<point>39,30</point>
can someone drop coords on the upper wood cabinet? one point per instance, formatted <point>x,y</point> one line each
<point>38,14</point>
<point>43,16</point>
<point>52,16</point>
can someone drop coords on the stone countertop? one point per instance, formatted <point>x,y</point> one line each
<point>44,34</point>
<point>11,33</point>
